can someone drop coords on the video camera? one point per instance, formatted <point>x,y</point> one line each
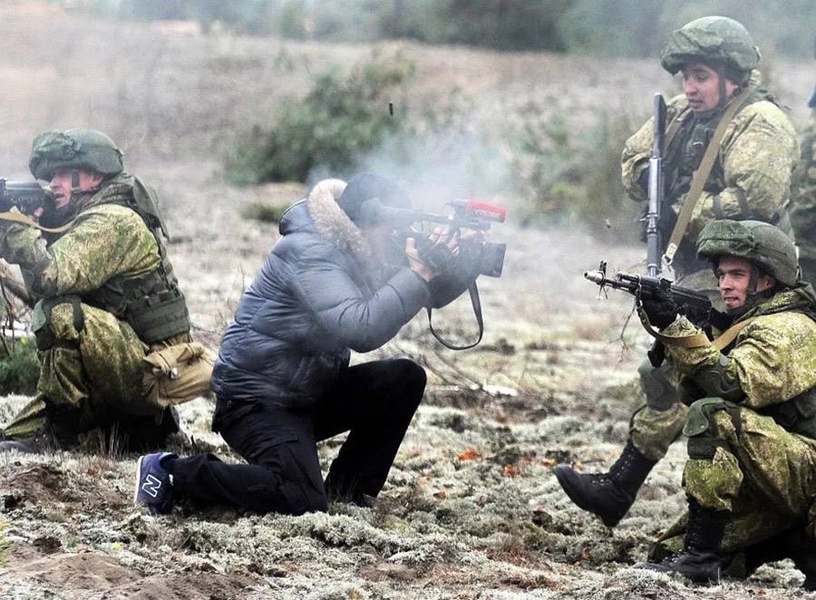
<point>487,258</point>
<point>26,196</point>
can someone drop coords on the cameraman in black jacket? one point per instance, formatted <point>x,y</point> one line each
<point>282,378</point>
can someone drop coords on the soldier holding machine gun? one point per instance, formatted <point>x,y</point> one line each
<point>729,153</point>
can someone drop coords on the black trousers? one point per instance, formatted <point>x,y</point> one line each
<point>373,401</point>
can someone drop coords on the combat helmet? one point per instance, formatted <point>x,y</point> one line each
<point>715,41</point>
<point>74,149</point>
<point>760,243</point>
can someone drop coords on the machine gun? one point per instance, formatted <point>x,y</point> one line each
<point>26,196</point>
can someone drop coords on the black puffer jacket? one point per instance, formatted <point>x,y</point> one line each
<point>315,299</point>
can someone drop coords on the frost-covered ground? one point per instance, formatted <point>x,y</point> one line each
<point>471,508</point>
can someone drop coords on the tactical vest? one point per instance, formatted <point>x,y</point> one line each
<point>797,415</point>
<point>154,304</point>
<point>683,156</point>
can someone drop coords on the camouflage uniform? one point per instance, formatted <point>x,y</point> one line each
<point>752,446</point>
<point>750,179</point>
<point>803,215</point>
<point>88,280</point>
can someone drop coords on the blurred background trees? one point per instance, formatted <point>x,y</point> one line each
<point>584,26</point>
<point>364,115</point>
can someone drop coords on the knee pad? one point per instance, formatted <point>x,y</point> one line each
<point>58,322</point>
<point>703,439</point>
<point>658,386</point>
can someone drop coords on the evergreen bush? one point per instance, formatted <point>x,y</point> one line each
<point>342,117</point>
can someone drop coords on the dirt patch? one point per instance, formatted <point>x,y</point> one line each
<point>471,508</point>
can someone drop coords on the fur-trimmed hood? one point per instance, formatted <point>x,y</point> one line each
<point>331,222</point>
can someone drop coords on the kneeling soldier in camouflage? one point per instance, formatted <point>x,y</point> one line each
<point>106,293</point>
<point>750,480</point>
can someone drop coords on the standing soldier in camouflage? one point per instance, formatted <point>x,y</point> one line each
<point>754,151</point>
<point>750,480</point>
<point>106,295</point>
<point>803,215</point>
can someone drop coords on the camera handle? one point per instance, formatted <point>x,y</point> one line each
<point>476,302</point>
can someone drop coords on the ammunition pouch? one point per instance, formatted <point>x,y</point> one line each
<point>712,379</point>
<point>177,374</point>
<point>700,429</point>
<point>797,415</point>
<point>153,305</point>
<point>159,318</point>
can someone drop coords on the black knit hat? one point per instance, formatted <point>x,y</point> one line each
<point>367,191</point>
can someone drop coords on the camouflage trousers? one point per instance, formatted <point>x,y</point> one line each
<point>660,421</point>
<point>90,367</point>
<point>746,464</point>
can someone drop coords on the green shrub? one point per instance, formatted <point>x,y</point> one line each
<point>19,367</point>
<point>265,213</point>
<point>564,175</point>
<point>341,119</point>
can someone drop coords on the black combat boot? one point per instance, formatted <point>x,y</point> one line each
<point>795,543</point>
<point>608,495</point>
<point>700,559</point>
<point>38,443</point>
<point>804,558</point>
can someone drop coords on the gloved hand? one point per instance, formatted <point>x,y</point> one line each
<point>660,308</point>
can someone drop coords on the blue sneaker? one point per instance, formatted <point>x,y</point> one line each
<point>153,484</point>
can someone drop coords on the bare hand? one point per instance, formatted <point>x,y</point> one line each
<point>426,267</point>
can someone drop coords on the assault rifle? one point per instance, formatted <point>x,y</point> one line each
<point>694,305</point>
<point>27,196</point>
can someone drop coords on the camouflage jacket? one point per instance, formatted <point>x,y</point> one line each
<point>773,359</point>
<point>751,177</point>
<point>803,215</point>
<point>107,248</point>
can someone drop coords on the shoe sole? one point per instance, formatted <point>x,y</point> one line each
<point>138,481</point>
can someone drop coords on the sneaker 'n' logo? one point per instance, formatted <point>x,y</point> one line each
<point>151,486</point>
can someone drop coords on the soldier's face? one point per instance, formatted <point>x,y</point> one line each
<point>734,280</point>
<point>62,182</point>
<point>701,84</point>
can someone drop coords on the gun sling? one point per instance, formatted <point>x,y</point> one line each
<point>18,217</point>
<point>702,172</point>
<point>697,340</point>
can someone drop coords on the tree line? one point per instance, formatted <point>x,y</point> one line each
<point>633,28</point>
